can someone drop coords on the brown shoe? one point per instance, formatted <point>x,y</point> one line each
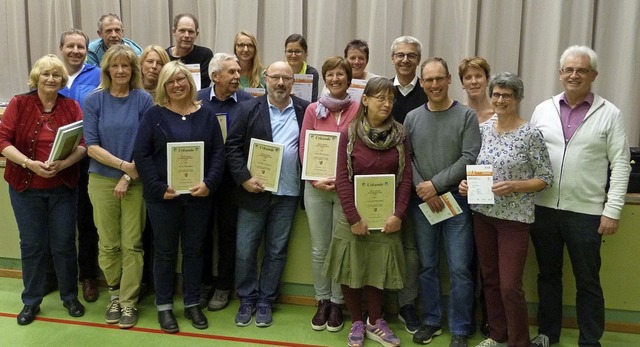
<point>89,290</point>
<point>319,321</point>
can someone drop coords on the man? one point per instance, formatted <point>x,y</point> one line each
<point>111,32</point>
<point>585,136</point>
<point>83,78</point>
<point>445,138</point>
<point>224,98</point>
<point>185,32</point>
<point>405,57</point>
<point>276,117</point>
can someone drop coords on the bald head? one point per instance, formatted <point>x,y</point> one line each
<point>279,76</point>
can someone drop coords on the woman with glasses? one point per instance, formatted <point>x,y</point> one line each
<point>363,261</point>
<point>251,70</point>
<point>516,151</point>
<point>295,49</point>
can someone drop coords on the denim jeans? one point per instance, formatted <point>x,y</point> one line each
<point>274,224</point>
<point>457,236</point>
<point>552,230</point>
<point>180,221</point>
<point>46,221</point>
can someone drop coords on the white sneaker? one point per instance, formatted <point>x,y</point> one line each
<point>491,343</point>
<point>541,340</point>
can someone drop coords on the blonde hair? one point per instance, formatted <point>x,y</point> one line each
<point>256,66</point>
<point>48,62</point>
<point>113,53</point>
<point>169,70</point>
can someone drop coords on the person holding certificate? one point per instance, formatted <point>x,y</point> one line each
<point>362,261</point>
<point>112,115</point>
<point>295,49</point>
<point>43,194</point>
<point>332,113</point>
<point>178,218</point>
<point>516,150</point>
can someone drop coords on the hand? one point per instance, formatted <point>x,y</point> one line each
<point>327,184</point>
<point>253,185</point>
<point>435,204</point>
<point>463,188</point>
<point>170,193</point>
<point>41,169</point>
<point>57,165</point>
<point>608,226</point>
<point>130,169</point>
<point>426,190</point>
<point>120,191</point>
<point>503,188</point>
<point>392,225</point>
<point>360,228</point>
<point>200,190</point>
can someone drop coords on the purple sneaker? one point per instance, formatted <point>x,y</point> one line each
<point>356,335</point>
<point>381,333</point>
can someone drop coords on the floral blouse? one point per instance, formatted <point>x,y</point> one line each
<point>515,155</point>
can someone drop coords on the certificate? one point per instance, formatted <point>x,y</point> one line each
<point>195,73</point>
<point>265,162</point>
<point>320,156</point>
<point>375,198</point>
<point>223,119</point>
<point>451,208</point>
<point>302,86</point>
<point>256,92</point>
<point>356,89</point>
<point>185,165</point>
<point>480,181</point>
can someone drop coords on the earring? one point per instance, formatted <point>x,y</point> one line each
<point>366,110</point>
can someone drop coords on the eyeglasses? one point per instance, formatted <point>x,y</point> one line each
<point>276,78</point>
<point>178,81</point>
<point>409,56</point>
<point>294,51</point>
<point>245,45</point>
<point>381,98</point>
<point>430,80</point>
<point>505,96</point>
<point>581,72</point>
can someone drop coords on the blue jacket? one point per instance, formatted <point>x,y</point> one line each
<point>97,49</point>
<point>87,80</point>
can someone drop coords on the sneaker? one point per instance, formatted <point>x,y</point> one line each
<point>541,340</point>
<point>243,317</point>
<point>356,335</point>
<point>205,295</point>
<point>113,312</point>
<point>407,315</point>
<point>219,300</point>
<point>426,333</point>
<point>128,318</point>
<point>263,316</point>
<point>319,320</point>
<point>491,343</point>
<point>381,333</point>
<point>335,322</point>
<point>458,341</point>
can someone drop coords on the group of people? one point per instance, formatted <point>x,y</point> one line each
<point>550,176</point>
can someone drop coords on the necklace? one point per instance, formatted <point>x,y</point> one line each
<point>184,113</point>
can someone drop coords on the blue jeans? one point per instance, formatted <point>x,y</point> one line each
<point>457,236</point>
<point>180,221</point>
<point>552,230</point>
<point>274,224</point>
<point>46,221</point>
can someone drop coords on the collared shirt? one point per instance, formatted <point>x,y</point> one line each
<point>213,94</point>
<point>404,90</point>
<point>284,127</point>
<point>571,118</point>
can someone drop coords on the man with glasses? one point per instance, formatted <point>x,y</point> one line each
<point>111,32</point>
<point>185,32</point>
<point>585,136</point>
<point>445,138</point>
<point>275,117</point>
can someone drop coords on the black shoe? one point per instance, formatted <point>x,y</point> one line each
<point>426,333</point>
<point>28,314</point>
<point>198,320</point>
<point>75,308</point>
<point>168,322</point>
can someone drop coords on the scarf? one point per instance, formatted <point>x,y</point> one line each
<point>327,103</point>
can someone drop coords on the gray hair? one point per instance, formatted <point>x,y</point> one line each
<point>510,81</point>
<point>577,51</point>
<point>216,62</point>
<point>409,40</point>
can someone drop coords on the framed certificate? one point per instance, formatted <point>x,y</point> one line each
<point>223,119</point>
<point>302,86</point>
<point>265,162</point>
<point>320,155</point>
<point>480,181</point>
<point>185,165</point>
<point>375,197</point>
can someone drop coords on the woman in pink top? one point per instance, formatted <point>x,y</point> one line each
<point>332,112</point>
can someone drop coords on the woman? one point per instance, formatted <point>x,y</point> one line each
<point>516,151</point>
<point>178,219</point>
<point>332,112</point>
<point>474,74</point>
<point>357,54</point>
<point>152,59</point>
<point>111,121</point>
<point>42,193</point>
<point>251,70</point>
<point>295,49</point>
<point>362,261</point>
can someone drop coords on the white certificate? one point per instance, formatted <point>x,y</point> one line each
<point>357,88</point>
<point>302,86</point>
<point>195,72</point>
<point>256,92</point>
<point>451,208</point>
<point>320,156</point>
<point>480,181</point>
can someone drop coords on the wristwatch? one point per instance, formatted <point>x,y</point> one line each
<point>24,163</point>
<point>127,177</point>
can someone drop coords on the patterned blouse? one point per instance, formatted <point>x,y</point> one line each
<point>519,154</point>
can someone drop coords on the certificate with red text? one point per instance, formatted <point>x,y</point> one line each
<point>451,209</point>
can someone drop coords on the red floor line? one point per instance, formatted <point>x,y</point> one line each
<point>160,332</point>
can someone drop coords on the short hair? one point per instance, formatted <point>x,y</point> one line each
<point>169,70</point>
<point>109,15</point>
<point>510,81</point>
<point>120,51</point>
<point>218,59</point>
<point>177,18</point>
<point>474,62</point>
<point>435,60</point>
<point>296,38</point>
<point>409,40</point>
<point>49,62</point>
<point>256,65</point>
<point>576,51</point>
<point>70,32</point>
<point>164,57</point>
<point>358,44</point>
<point>337,62</point>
